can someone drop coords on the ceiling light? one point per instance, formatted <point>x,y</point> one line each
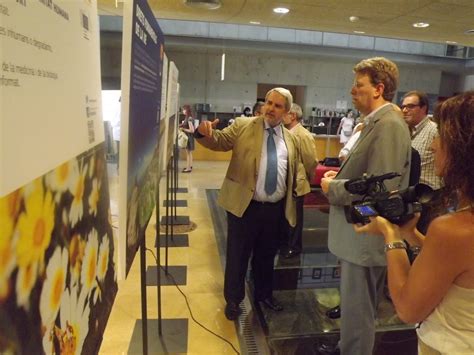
<point>281,10</point>
<point>451,42</point>
<point>359,32</point>
<point>421,24</point>
<point>353,18</point>
<point>255,22</point>
<point>469,32</point>
<point>204,4</point>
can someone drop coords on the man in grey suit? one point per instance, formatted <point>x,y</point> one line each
<point>384,146</point>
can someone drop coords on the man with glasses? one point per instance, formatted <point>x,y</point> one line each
<point>383,147</point>
<point>415,107</point>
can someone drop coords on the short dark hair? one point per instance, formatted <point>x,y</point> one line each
<point>380,70</point>
<point>422,98</point>
<point>456,130</point>
<point>258,105</point>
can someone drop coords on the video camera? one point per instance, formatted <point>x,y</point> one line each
<point>397,206</point>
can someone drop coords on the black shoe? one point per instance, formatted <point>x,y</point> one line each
<point>290,253</point>
<point>334,313</point>
<point>327,349</point>
<point>272,304</point>
<point>232,310</point>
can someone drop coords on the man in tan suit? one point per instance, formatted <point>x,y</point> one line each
<point>257,194</point>
<point>292,236</point>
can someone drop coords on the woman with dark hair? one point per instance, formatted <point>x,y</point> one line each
<point>187,126</point>
<point>438,289</point>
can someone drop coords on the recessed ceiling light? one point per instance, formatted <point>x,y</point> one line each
<point>421,24</point>
<point>451,42</point>
<point>353,18</point>
<point>204,4</point>
<point>359,32</point>
<point>281,10</point>
<point>255,22</point>
<point>469,32</point>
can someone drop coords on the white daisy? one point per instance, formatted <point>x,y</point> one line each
<point>92,166</point>
<point>94,197</point>
<point>53,286</point>
<point>25,281</point>
<point>103,261</point>
<point>58,179</point>
<point>89,263</point>
<point>74,322</point>
<point>77,187</point>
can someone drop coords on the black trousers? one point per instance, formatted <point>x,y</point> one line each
<point>256,233</point>
<point>292,237</point>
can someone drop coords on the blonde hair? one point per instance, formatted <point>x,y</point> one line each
<point>380,70</point>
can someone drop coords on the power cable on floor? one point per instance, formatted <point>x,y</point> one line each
<point>189,308</point>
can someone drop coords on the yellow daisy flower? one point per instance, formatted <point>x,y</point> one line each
<point>34,229</point>
<point>9,208</point>
<point>35,226</point>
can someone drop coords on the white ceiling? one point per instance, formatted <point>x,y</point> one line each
<point>448,19</point>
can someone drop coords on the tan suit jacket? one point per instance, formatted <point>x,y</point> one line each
<point>245,139</point>
<point>308,159</point>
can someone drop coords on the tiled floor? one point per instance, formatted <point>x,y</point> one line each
<point>204,274</point>
<point>297,330</point>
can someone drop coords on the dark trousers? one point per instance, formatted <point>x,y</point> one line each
<point>257,233</point>
<point>292,237</point>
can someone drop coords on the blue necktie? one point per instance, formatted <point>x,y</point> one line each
<point>272,164</point>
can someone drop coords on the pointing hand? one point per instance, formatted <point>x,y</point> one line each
<point>206,127</point>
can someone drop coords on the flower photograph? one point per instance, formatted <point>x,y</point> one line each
<point>57,271</point>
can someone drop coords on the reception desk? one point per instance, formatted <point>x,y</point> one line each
<point>326,146</point>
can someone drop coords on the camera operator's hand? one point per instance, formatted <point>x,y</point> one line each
<point>381,226</point>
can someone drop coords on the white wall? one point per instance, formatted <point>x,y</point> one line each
<point>326,80</point>
<point>468,82</point>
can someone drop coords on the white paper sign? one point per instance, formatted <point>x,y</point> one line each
<point>50,107</point>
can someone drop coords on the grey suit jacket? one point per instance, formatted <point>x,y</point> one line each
<point>384,146</point>
<point>245,138</point>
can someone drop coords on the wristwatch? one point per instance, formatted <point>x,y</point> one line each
<point>394,245</point>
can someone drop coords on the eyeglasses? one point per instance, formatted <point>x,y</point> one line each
<point>409,106</point>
